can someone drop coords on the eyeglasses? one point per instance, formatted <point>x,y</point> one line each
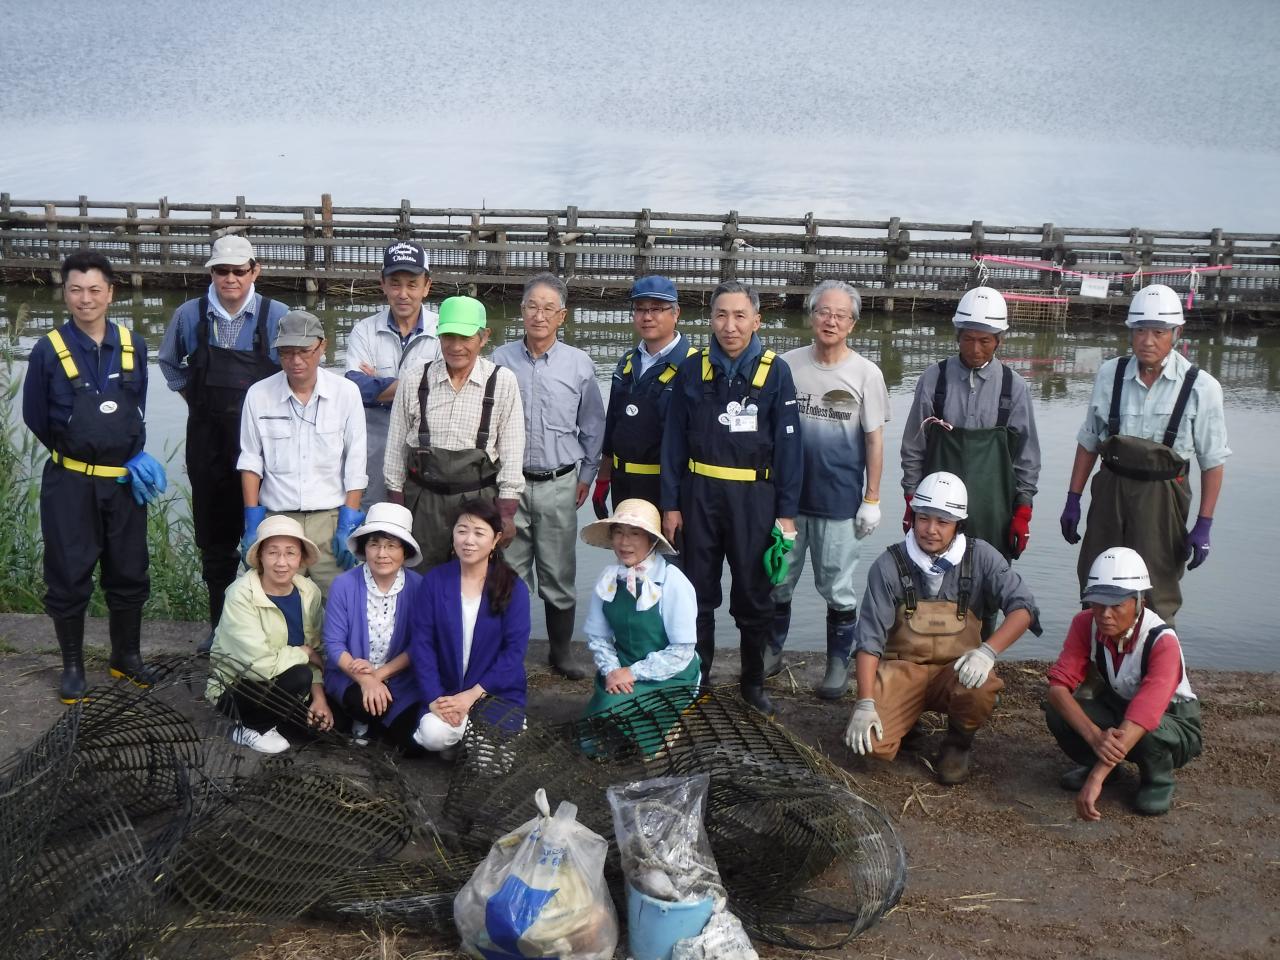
<point>826,313</point>
<point>228,271</point>
<point>533,310</point>
<point>652,311</point>
<point>296,353</point>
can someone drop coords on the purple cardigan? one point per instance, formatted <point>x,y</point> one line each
<point>346,629</point>
<point>498,644</point>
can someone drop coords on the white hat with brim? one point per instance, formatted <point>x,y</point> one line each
<point>279,525</point>
<point>393,520</point>
<point>637,513</point>
<point>230,251</point>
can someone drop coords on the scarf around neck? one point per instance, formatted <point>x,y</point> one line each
<point>640,581</point>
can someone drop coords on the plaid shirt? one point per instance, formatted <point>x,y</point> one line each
<point>454,419</point>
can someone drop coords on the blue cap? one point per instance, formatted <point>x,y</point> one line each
<point>653,287</point>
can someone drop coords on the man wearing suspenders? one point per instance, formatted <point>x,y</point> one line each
<point>640,396</point>
<point>456,432</point>
<point>380,346</point>
<point>732,468</point>
<point>216,347</point>
<point>83,397</point>
<point>1150,412</point>
<point>972,416</point>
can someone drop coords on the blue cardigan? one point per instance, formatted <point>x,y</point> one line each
<point>497,648</point>
<point>346,629</point>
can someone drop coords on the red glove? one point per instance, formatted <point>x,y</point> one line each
<point>909,517</point>
<point>597,498</point>
<point>1020,529</point>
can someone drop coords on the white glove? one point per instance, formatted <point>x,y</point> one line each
<point>975,665</point>
<point>868,518</point>
<point>865,719</point>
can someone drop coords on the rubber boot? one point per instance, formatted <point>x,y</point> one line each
<point>755,697</point>
<point>953,759</point>
<point>560,636</point>
<point>70,633</point>
<point>126,637</point>
<point>1155,772</point>
<point>781,627</point>
<point>1073,780</point>
<point>840,627</point>
<point>754,642</point>
<point>706,627</point>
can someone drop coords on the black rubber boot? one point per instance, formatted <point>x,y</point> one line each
<point>840,627</point>
<point>953,759</point>
<point>1074,779</point>
<point>70,633</point>
<point>754,640</point>
<point>560,636</point>
<point>706,626</point>
<point>781,627</point>
<point>754,695</point>
<point>126,638</point>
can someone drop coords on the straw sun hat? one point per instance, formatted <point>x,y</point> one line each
<point>282,526</point>
<point>632,513</point>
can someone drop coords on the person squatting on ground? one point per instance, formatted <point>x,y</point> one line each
<point>843,404</point>
<point>919,644</point>
<point>564,427</point>
<point>640,395</point>
<point>265,665</point>
<point>302,448</point>
<point>642,622</point>
<point>84,398</point>
<point>1150,412</point>
<point>215,348</point>
<point>469,632</point>
<point>456,433</point>
<point>972,416</point>
<point>366,629</point>
<point>732,468</point>
<point>380,346</point>
<point>1144,712</point>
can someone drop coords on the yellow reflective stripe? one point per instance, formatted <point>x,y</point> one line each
<point>762,370</point>
<point>666,375</point>
<point>627,368</point>
<point>744,474</point>
<point>647,469</point>
<point>707,372</point>
<point>126,349</point>
<point>88,469</point>
<point>64,355</point>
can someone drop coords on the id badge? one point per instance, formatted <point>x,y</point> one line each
<point>743,423</point>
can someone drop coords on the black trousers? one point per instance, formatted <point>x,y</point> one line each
<point>86,521</point>
<point>217,505</point>
<point>399,731</point>
<point>279,702</point>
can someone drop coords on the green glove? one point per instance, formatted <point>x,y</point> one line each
<point>775,556</point>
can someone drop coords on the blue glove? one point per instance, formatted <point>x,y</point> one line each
<point>146,474</point>
<point>348,520</point>
<point>252,517</point>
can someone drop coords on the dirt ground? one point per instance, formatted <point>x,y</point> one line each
<point>998,867</point>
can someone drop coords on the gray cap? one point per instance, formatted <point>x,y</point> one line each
<point>299,329</point>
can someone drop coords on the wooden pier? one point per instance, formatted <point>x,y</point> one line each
<point>893,263</point>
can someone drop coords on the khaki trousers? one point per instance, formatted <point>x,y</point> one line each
<point>319,526</point>
<point>904,690</point>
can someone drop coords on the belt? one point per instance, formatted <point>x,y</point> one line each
<point>539,476</point>
<point>1138,473</point>
<point>647,469</point>
<point>88,469</point>
<point>743,474</point>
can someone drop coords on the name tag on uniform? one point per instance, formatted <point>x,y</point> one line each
<point>743,423</point>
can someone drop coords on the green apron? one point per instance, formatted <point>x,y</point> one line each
<point>636,634</point>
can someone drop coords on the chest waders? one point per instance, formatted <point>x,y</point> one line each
<point>636,634</point>
<point>441,479</point>
<point>983,459</point>
<point>1141,499</point>
<point>637,436</point>
<point>218,380</point>
<point>932,631</point>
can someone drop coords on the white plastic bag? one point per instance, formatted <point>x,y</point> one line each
<point>540,893</point>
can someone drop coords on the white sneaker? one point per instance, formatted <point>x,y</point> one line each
<point>269,742</point>
<point>360,733</point>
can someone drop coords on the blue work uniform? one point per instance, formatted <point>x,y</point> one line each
<point>731,464</point>
<point>85,402</point>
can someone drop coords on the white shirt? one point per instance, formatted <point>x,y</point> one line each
<point>647,361</point>
<point>470,610</point>
<point>310,456</point>
<point>380,610</point>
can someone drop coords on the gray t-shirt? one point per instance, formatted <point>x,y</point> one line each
<point>838,405</point>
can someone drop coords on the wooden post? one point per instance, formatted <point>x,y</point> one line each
<point>404,228</point>
<point>644,243</point>
<point>6,250</point>
<point>890,263</point>
<point>553,238</point>
<point>55,249</point>
<point>325,255</point>
<point>729,265</point>
<point>241,213</point>
<point>309,250</point>
<point>1132,258</point>
<point>166,252</point>
<point>499,254</point>
<point>977,234</point>
<point>1148,246</point>
<point>1224,278</point>
<point>809,275</point>
<point>1048,279</point>
<point>84,206</point>
<point>571,259</point>
<point>135,257</point>
<point>473,255</point>
<point>1209,290</point>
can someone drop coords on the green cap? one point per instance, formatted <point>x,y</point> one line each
<point>463,316</point>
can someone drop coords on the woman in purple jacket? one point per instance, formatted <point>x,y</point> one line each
<point>366,629</point>
<point>470,630</point>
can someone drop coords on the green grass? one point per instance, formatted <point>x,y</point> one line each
<point>177,592</point>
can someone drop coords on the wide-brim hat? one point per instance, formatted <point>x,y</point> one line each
<point>633,513</point>
<point>391,519</point>
<point>279,525</point>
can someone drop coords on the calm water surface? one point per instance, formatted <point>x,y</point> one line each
<point>1224,622</point>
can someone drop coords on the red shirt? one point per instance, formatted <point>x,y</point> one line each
<point>1164,669</point>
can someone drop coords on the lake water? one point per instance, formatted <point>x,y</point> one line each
<point>1224,621</point>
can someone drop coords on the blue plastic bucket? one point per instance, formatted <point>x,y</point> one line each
<point>655,926</point>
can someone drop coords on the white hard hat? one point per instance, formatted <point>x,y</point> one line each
<point>1117,574</point>
<point>1155,305</point>
<point>942,494</point>
<point>982,308</point>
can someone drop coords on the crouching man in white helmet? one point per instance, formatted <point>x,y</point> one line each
<point>919,644</point>
<point>1145,711</point>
